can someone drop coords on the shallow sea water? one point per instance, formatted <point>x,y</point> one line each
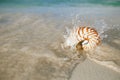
<point>31,38</point>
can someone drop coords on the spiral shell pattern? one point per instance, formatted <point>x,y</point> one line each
<point>83,38</point>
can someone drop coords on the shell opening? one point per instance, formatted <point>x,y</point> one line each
<point>85,42</point>
<point>79,46</point>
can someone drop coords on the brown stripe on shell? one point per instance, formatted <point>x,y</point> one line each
<point>88,34</point>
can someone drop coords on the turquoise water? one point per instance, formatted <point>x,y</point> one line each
<point>59,2</point>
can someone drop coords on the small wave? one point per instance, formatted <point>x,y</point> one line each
<point>105,54</point>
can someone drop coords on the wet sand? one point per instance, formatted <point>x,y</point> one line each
<point>89,70</point>
<point>31,47</point>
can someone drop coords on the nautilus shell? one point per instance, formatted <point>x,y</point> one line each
<point>82,38</point>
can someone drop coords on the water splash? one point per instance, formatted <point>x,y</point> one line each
<point>101,27</point>
<point>102,54</point>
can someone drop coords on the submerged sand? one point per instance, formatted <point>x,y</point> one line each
<point>30,48</point>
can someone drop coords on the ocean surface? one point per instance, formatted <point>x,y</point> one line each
<point>22,3</point>
<point>32,31</point>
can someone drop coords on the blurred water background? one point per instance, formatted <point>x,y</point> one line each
<point>59,2</point>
